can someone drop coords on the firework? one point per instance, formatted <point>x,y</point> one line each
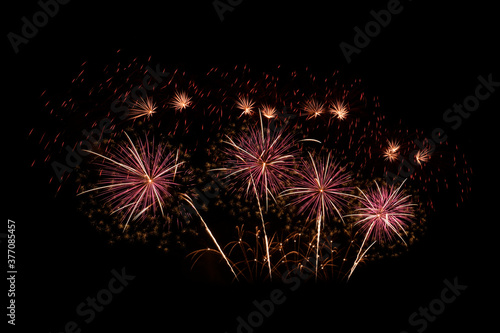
<point>268,111</point>
<point>245,104</point>
<point>137,178</point>
<point>314,108</point>
<point>262,158</point>
<point>190,202</point>
<point>391,153</point>
<point>423,155</point>
<point>383,214</point>
<point>143,108</point>
<point>321,190</point>
<point>339,109</point>
<point>180,101</point>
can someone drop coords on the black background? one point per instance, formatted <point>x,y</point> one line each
<point>428,58</point>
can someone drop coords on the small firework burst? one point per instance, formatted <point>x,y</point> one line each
<point>391,153</point>
<point>136,179</point>
<point>143,108</point>
<point>384,213</point>
<point>423,155</point>
<point>339,109</point>
<point>180,101</point>
<point>268,111</point>
<point>246,105</point>
<point>314,108</point>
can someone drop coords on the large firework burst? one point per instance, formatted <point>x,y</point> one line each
<point>261,159</point>
<point>321,188</point>
<point>384,213</point>
<point>136,178</point>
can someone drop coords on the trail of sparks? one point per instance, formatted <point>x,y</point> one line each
<point>190,202</point>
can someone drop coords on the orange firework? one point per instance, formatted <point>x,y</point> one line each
<point>143,108</point>
<point>245,104</point>
<point>392,151</point>
<point>314,108</point>
<point>180,101</point>
<point>339,109</point>
<point>268,111</point>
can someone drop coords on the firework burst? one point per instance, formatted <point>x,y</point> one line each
<point>246,105</point>
<point>423,155</point>
<point>262,158</point>
<point>314,108</point>
<point>383,214</point>
<point>180,101</point>
<point>391,153</point>
<point>143,108</point>
<point>268,111</point>
<point>339,109</point>
<point>321,190</point>
<point>137,178</point>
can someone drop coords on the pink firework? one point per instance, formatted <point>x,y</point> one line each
<point>135,179</point>
<point>321,189</point>
<point>262,159</point>
<point>384,213</point>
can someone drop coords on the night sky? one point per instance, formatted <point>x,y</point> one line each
<point>426,59</point>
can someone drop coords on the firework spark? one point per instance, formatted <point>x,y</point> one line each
<point>245,104</point>
<point>190,202</point>
<point>314,108</point>
<point>268,111</point>
<point>180,101</point>
<point>143,108</point>
<point>391,153</point>
<point>423,155</point>
<point>339,109</point>
<point>137,178</point>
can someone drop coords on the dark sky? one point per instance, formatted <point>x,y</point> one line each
<point>426,59</point>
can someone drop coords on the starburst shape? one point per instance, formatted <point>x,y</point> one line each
<point>143,108</point>
<point>339,109</point>
<point>321,189</point>
<point>260,159</point>
<point>314,108</point>
<point>246,105</point>
<point>268,111</point>
<point>391,153</point>
<point>180,101</point>
<point>136,178</point>
<point>384,213</point>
